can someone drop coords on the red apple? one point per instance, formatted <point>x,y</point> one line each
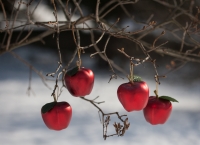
<point>157,110</point>
<point>133,96</point>
<point>80,83</point>
<point>56,115</point>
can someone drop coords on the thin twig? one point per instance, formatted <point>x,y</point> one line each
<point>106,120</point>
<point>97,11</point>
<point>10,35</point>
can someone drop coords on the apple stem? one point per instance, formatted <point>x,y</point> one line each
<point>79,58</point>
<point>157,83</point>
<point>54,97</point>
<point>157,87</point>
<point>131,77</point>
<point>156,93</point>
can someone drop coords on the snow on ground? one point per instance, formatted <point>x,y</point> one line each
<point>21,121</point>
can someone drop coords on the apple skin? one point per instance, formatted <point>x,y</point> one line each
<point>80,84</point>
<point>133,96</point>
<point>157,110</point>
<point>58,117</point>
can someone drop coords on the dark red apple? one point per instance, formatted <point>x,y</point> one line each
<point>80,83</point>
<point>133,96</point>
<point>56,115</point>
<point>157,110</point>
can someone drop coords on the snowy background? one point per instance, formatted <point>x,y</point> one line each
<point>21,122</point>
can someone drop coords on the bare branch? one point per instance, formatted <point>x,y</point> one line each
<point>106,120</point>
<point>97,11</point>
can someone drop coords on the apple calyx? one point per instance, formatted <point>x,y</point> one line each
<point>73,71</point>
<point>47,107</point>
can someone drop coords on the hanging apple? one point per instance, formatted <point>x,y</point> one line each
<point>158,109</point>
<point>56,115</point>
<point>133,95</point>
<point>79,82</point>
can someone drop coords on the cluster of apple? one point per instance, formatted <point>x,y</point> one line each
<point>133,95</point>
<point>79,82</point>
